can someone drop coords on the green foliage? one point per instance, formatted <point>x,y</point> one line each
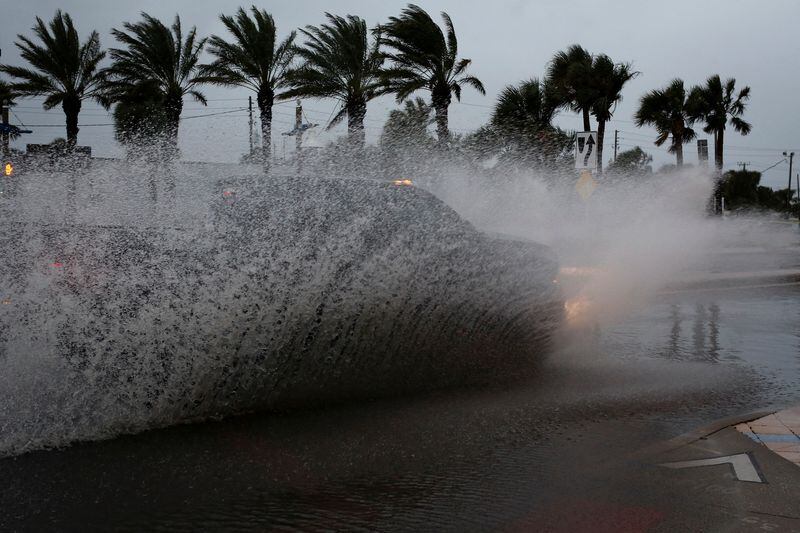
<point>633,162</point>
<point>339,62</point>
<point>140,121</point>
<point>254,59</point>
<point>7,94</point>
<point>405,142</point>
<point>423,57</point>
<point>157,59</point>
<point>590,85</point>
<point>569,74</point>
<point>63,70</point>
<point>666,110</point>
<point>741,190</point>
<point>718,104</point>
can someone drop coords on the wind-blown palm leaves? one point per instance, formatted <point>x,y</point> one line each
<point>608,79</point>
<point>522,125</point>
<point>718,104</point>
<point>159,57</point>
<point>424,58</point>
<point>569,75</point>
<point>339,61</point>
<point>254,60</point>
<point>64,69</point>
<point>590,85</point>
<point>666,110</point>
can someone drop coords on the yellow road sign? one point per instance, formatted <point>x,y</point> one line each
<point>586,184</point>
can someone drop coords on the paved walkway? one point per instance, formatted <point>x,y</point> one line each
<point>780,432</point>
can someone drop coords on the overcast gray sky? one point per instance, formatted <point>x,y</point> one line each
<point>755,41</point>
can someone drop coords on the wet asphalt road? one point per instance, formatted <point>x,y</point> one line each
<point>559,453</point>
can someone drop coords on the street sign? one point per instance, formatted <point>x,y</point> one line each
<point>586,185</point>
<point>586,150</point>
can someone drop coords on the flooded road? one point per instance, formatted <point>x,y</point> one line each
<point>541,453</point>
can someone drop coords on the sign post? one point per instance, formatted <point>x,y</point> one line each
<point>586,161</point>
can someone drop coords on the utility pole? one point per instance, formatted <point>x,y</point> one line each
<point>616,144</point>
<point>797,182</point>
<point>744,164</point>
<point>790,155</point>
<point>298,128</point>
<point>250,110</point>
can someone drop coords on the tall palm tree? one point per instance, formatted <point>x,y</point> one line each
<point>338,61</point>
<point>157,56</point>
<point>423,58</point>
<point>64,69</point>
<point>666,110</point>
<point>569,74</point>
<point>718,104</point>
<point>607,80</point>
<point>255,60</point>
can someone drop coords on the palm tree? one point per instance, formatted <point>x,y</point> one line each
<point>423,58</point>
<point>718,105</point>
<point>526,108</point>
<point>522,123</point>
<point>64,69</point>
<point>254,60</point>
<point>607,80</point>
<point>569,74</point>
<point>339,62</point>
<point>157,56</point>
<point>666,110</point>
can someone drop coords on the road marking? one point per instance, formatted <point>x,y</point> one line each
<point>742,464</point>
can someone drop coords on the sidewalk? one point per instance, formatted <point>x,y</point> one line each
<point>780,432</point>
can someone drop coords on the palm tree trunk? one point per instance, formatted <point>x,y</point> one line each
<point>601,132</point>
<point>72,108</point>
<point>587,126</point>
<point>355,123</point>
<point>265,99</point>
<point>718,140</point>
<point>678,151</point>
<point>440,99</point>
<point>173,106</point>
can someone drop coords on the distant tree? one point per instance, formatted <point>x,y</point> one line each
<point>719,104</point>
<point>7,97</point>
<point>160,58</point>
<point>666,110</point>
<point>633,162</point>
<point>521,125</point>
<point>740,188</point>
<point>424,58</point>
<point>569,74</point>
<point>140,118</point>
<point>340,62</point>
<point>608,79</point>
<point>408,125</point>
<point>254,60</point>
<point>405,141</point>
<point>524,109</point>
<point>64,69</point>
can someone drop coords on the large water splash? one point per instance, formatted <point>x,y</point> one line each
<point>137,300</point>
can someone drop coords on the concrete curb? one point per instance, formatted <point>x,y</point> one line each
<point>701,432</point>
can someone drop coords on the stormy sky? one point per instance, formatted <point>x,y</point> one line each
<point>754,41</point>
